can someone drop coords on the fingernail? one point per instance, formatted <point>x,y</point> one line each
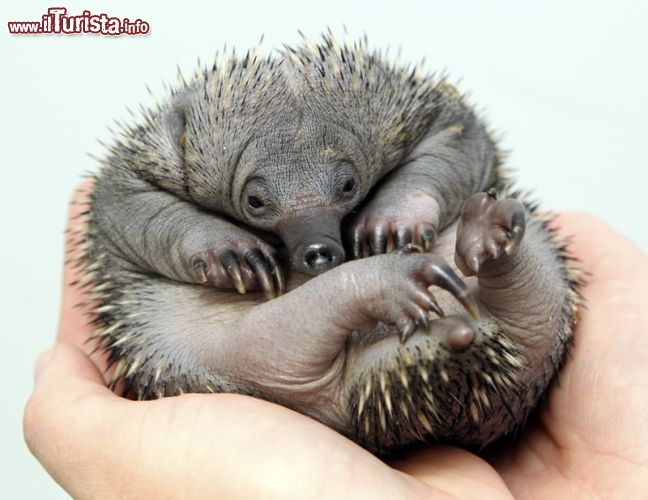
<point>42,362</point>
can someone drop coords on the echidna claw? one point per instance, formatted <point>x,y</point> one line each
<point>469,302</point>
<point>257,262</point>
<point>423,319</point>
<point>435,307</point>
<point>407,331</point>
<point>427,237</point>
<point>378,241</point>
<point>442,275</point>
<point>518,224</point>
<point>230,263</point>
<point>277,273</point>
<point>402,237</point>
<point>200,267</point>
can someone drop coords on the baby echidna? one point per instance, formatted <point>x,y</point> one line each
<point>219,226</point>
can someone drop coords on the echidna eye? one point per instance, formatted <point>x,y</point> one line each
<point>254,202</point>
<point>348,186</point>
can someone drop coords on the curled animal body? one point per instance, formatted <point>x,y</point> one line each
<point>330,231</point>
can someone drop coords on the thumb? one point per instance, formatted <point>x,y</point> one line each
<point>54,416</point>
<point>65,363</point>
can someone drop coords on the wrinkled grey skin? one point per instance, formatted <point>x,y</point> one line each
<point>260,174</point>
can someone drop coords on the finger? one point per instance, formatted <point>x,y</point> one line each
<point>65,362</point>
<point>74,326</point>
<point>75,322</point>
<point>455,472</point>
<point>64,376</point>
<point>601,250</point>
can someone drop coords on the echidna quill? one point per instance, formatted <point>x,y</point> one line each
<point>295,228</point>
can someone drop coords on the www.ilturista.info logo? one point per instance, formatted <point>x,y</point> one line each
<point>57,22</point>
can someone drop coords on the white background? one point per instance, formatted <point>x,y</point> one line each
<point>565,82</point>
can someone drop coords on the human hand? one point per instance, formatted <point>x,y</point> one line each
<point>592,438</point>
<point>97,445</point>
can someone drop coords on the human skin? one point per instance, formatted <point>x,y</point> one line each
<point>590,440</point>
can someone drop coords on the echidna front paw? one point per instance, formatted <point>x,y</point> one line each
<point>243,265</point>
<point>489,229</point>
<point>378,235</point>
<point>412,301</point>
<point>387,225</point>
